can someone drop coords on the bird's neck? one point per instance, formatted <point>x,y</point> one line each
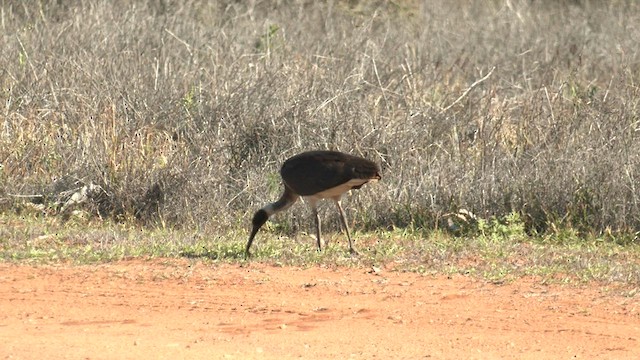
<point>287,199</point>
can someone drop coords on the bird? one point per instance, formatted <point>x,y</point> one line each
<point>316,175</point>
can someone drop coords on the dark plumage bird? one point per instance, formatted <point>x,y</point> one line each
<point>316,175</point>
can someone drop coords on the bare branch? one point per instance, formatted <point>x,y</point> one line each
<point>466,92</point>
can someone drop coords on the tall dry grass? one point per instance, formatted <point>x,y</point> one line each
<point>182,111</point>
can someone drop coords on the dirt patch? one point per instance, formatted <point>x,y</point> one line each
<point>178,309</point>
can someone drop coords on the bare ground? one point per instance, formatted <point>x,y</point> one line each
<point>173,309</point>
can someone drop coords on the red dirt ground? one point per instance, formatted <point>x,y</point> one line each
<point>176,309</point>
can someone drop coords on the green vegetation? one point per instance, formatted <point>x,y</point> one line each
<point>156,128</point>
<point>498,253</point>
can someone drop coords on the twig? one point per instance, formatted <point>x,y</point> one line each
<point>606,93</point>
<point>546,93</point>
<point>466,92</point>
<point>27,58</point>
<point>382,90</point>
<point>180,40</point>
<point>20,196</point>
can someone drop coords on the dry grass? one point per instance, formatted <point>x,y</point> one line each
<point>182,111</point>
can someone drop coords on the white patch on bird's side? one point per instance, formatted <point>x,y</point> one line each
<point>340,189</point>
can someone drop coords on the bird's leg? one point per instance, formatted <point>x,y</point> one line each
<point>344,223</point>
<point>314,211</point>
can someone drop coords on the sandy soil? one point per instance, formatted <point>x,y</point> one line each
<point>176,309</point>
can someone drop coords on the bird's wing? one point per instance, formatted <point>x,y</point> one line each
<point>311,177</point>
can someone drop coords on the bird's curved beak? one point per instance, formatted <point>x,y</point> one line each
<point>259,219</point>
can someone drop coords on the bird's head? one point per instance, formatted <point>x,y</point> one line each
<point>260,217</point>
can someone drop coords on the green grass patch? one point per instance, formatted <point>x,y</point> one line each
<point>496,254</point>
